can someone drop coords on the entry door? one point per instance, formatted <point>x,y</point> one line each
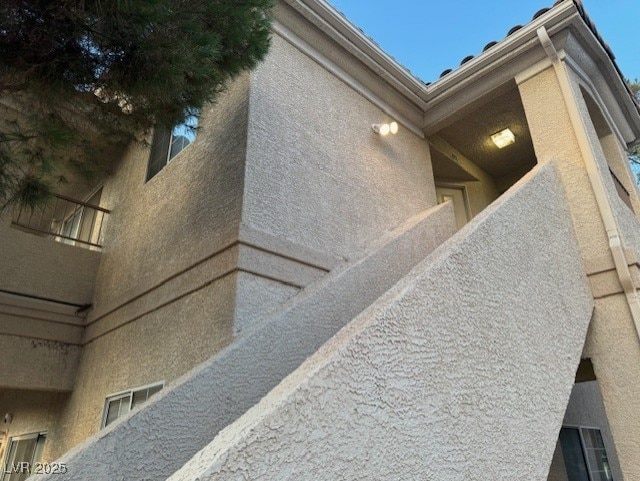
<point>458,197</point>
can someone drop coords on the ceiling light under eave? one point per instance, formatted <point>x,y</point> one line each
<point>503,138</point>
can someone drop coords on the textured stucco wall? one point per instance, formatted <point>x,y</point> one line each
<point>358,188</point>
<point>166,287</point>
<point>615,358</point>
<point>33,412</point>
<point>156,440</point>
<point>609,155</point>
<point>38,339</point>
<point>40,267</point>
<point>160,346</point>
<point>618,161</point>
<point>311,150</point>
<point>558,470</point>
<point>585,408</point>
<point>554,139</point>
<point>461,372</point>
<point>612,343</point>
<point>614,349</point>
<point>259,296</point>
<point>37,364</point>
<point>183,214</point>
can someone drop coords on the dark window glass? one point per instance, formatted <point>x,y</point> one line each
<point>167,143</point>
<point>573,456</point>
<point>584,452</point>
<point>120,404</point>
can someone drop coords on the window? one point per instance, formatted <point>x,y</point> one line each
<point>167,143</point>
<point>585,457</point>
<point>22,453</point>
<point>82,222</point>
<point>119,404</point>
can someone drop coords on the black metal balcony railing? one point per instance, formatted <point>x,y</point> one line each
<point>63,219</point>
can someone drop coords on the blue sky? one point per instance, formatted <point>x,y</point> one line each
<point>429,36</point>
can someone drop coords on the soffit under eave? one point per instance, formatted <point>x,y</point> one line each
<point>573,38</point>
<point>492,80</point>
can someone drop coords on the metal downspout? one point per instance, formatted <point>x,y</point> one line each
<point>604,207</point>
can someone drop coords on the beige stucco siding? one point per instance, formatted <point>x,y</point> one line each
<point>614,349</point>
<point>605,150</point>
<point>43,284</point>
<point>165,292</point>
<point>33,412</point>
<point>460,372</point>
<point>30,363</point>
<point>585,409</point>
<point>554,139</point>
<point>37,266</point>
<point>316,173</point>
<point>178,281</point>
<point>558,470</point>
<point>184,417</point>
<point>612,343</point>
<point>618,161</point>
<point>158,347</point>
<point>185,213</point>
<point>615,357</point>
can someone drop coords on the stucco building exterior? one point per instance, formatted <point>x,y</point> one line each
<point>290,294</point>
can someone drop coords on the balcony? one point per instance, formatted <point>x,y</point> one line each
<point>65,220</point>
<point>46,290</point>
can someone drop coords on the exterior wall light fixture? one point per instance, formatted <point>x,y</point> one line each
<point>385,129</point>
<point>503,138</point>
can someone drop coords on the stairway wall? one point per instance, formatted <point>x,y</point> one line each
<point>461,372</point>
<point>153,442</point>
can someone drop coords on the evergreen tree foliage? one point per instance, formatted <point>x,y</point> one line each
<point>634,154</point>
<point>80,79</point>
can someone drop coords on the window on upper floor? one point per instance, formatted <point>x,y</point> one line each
<point>166,144</point>
<point>119,404</point>
<point>585,457</point>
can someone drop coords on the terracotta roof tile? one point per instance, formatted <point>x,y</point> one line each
<point>588,22</point>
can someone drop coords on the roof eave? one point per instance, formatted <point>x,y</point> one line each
<point>427,97</point>
<point>503,52</point>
